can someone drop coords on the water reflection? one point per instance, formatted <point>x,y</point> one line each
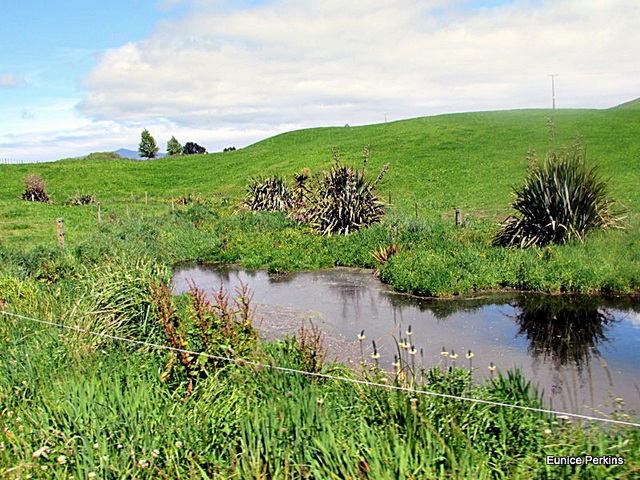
<point>582,350</point>
<point>563,330</point>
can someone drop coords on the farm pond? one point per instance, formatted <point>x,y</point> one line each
<point>582,351</point>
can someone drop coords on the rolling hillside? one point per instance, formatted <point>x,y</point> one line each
<point>468,161</point>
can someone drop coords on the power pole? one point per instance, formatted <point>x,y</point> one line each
<point>553,89</point>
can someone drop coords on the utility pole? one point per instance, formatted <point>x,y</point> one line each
<point>553,89</point>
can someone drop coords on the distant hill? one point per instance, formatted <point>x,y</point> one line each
<point>632,104</point>
<point>126,153</point>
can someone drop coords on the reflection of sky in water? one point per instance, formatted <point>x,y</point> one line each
<point>623,346</point>
<point>346,301</point>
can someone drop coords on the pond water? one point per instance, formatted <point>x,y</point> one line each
<point>583,351</point>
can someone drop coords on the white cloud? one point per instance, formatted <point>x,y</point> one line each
<point>324,62</point>
<point>8,80</point>
<point>104,136</point>
<point>226,75</point>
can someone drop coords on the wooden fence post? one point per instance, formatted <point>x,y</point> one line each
<point>457,217</point>
<point>60,226</point>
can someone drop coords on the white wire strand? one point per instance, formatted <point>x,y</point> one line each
<point>241,361</point>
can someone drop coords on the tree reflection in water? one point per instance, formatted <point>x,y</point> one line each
<point>563,330</point>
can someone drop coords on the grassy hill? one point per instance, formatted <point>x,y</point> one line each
<point>468,161</point>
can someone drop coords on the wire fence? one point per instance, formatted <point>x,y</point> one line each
<point>17,161</point>
<point>241,361</point>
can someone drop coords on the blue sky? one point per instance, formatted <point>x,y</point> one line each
<point>49,46</point>
<point>81,76</point>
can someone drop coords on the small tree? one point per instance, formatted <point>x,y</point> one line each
<point>191,148</point>
<point>174,147</point>
<point>147,147</point>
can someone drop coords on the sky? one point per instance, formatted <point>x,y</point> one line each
<point>79,76</point>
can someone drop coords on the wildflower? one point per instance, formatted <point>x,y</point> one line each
<point>178,444</point>
<point>492,367</point>
<point>142,463</point>
<point>413,350</point>
<point>119,446</point>
<point>444,353</point>
<point>320,400</point>
<point>361,336</point>
<point>41,451</point>
<point>409,332</point>
<point>395,364</point>
<point>375,354</point>
<point>18,419</point>
<point>469,356</point>
<point>61,459</point>
<point>92,475</point>
<point>96,446</point>
<point>562,417</point>
<point>155,453</point>
<point>453,355</point>
<point>547,431</point>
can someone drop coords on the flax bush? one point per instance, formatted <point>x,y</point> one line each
<point>341,200</point>
<point>561,199</point>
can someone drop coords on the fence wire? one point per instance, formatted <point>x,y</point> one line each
<point>241,361</point>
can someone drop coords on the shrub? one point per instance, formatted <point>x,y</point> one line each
<point>345,201</point>
<point>34,189</point>
<point>191,148</point>
<point>342,201</point>
<point>561,199</point>
<point>80,199</point>
<point>269,194</point>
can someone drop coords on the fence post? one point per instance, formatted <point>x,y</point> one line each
<point>60,226</point>
<point>457,217</point>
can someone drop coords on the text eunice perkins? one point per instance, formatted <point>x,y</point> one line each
<point>584,460</point>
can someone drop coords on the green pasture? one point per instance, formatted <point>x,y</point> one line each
<point>79,405</point>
